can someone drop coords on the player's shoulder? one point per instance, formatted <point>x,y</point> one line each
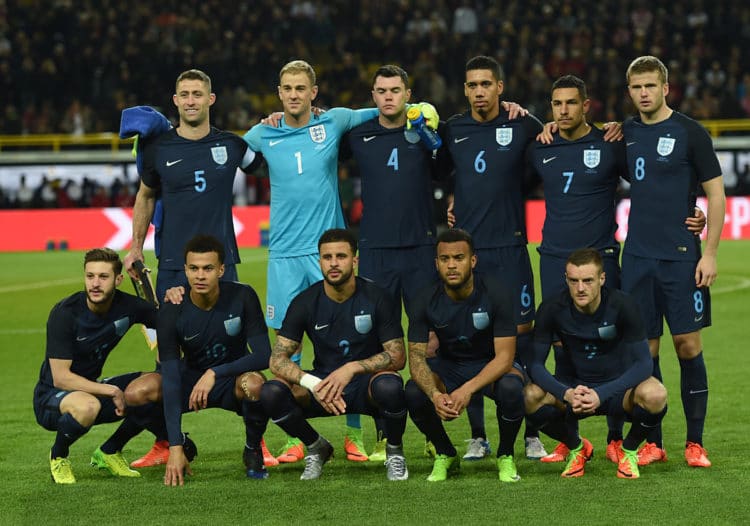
<point>368,127</point>
<point>236,288</point>
<point>69,304</point>
<point>217,134</point>
<point>370,288</point>
<point>459,118</point>
<point>688,123</point>
<point>155,141</point>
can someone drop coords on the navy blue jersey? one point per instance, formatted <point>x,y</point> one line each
<point>607,349</point>
<point>210,339</point>
<point>580,180</point>
<point>195,180</point>
<point>342,332</point>
<point>396,187</point>
<point>465,329</point>
<point>489,164</point>
<point>666,162</point>
<point>75,333</point>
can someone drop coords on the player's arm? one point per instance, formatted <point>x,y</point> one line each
<point>505,350</point>
<point>707,270</point>
<point>423,376</point>
<point>640,368</point>
<point>143,211</point>
<point>281,364</point>
<point>64,378</point>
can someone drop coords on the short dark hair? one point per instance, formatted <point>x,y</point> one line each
<point>584,256</point>
<point>338,234</point>
<point>389,71</point>
<point>203,243</point>
<point>193,74</point>
<point>571,81</point>
<point>455,235</point>
<point>106,255</point>
<point>485,62</point>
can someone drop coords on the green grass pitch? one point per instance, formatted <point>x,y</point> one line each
<point>355,493</point>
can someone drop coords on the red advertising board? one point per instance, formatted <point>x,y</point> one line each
<point>84,228</point>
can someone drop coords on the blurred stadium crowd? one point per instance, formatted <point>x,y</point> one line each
<point>70,66</point>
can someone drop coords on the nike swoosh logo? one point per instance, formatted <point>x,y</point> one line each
<point>319,327</point>
<point>368,139</point>
<point>545,161</point>
<point>630,143</point>
<point>172,163</point>
<point>81,338</point>
<point>457,140</point>
<point>441,326</point>
<point>274,143</point>
<point>188,338</point>
<point>698,318</point>
<point>698,392</point>
<point>525,312</point>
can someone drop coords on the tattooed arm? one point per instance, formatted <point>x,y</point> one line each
<point>281,364</point>
<point>392,358</point>
<point>428,383</point>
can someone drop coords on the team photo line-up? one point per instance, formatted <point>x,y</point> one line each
<point>474,329</point>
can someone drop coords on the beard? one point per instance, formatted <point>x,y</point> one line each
<point>343,278</point>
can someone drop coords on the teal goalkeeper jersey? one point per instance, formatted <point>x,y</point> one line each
<point>303,169</point>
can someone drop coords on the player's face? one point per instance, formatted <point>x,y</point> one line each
<point>193,101</point>
<point>337,262</point>
<point>390,96</point>
<point>203,271</point>
<point>568,110</point>
<point>455,263</point>
<point>296,93</point>
<point>648,92</point>
<point>100,281</point>
<point>483,91</point>
<point>585,285</point>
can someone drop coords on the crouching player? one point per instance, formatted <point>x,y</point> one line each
<point>216,326</point>
<point>358,349</point>
<point>82,330</point>
<point>606,352</point>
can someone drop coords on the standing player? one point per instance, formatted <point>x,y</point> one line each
<point>668,156</point>
<point>213,328</point>
<point>397,233</point>
<point>191,169</point>
<point>608,372</point>
<point>473,318</point>
<point>486,150</point>
<point>358,349</point>
<point>302,157</point>
<point>82,330</point>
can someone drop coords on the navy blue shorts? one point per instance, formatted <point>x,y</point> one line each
<point>403,272</point>
<point>454,374</point>
<point>511,265</point>
<point>356,396</point>
<point>666,290</point>
<point>222,394</point>
<point>47,402</point>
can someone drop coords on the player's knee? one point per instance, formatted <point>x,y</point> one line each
<point>651,395</point>
<point>248,386</point>
<point>415,397</point>
<point>144,389</point>
<point>85,410</point>
<point>533,396</point>
<point>277,399</point>
<point>387,390</point>
<point>687,346</point>
<point>509,396</point>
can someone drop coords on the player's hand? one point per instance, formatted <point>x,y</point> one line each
<point>430,114</point>
<point>450,216</point>
<point>199,396</point>
<point>612,131</point>
<point>130,258</point>
<point>337,406</point>
<point>444,406</point>
<point>586,400</point>
<point>706,271</point>
<point>118,398</point>
<point>332,387</point>
<point>546,135</point>
<point>697,222</point>
<point>273,120</point>
<point>317,111</point>
<point>461,398</point>
<point>177,467</point>
<point>514,110</point>
<point>175,295</point>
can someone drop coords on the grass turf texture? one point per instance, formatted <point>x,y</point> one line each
<point>358,492</point>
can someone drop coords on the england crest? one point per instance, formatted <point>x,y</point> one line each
<point>233,326</point>
<point>318,133</point>
<point>363,323</point>
<point>665,146</point>
<point>591,158</point>
<point>219,153</point>
<point>481,320</point>
<point>504,136</point>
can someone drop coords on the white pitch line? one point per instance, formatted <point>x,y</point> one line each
<point>39,285</point>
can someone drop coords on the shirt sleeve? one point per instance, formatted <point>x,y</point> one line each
<point>703,156</point>
<point>347,119</point>
<point>419,326</point>
<point>252,137</point>
<point>60,334</point>
<point>543,337</point>
<point>149,175</point>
